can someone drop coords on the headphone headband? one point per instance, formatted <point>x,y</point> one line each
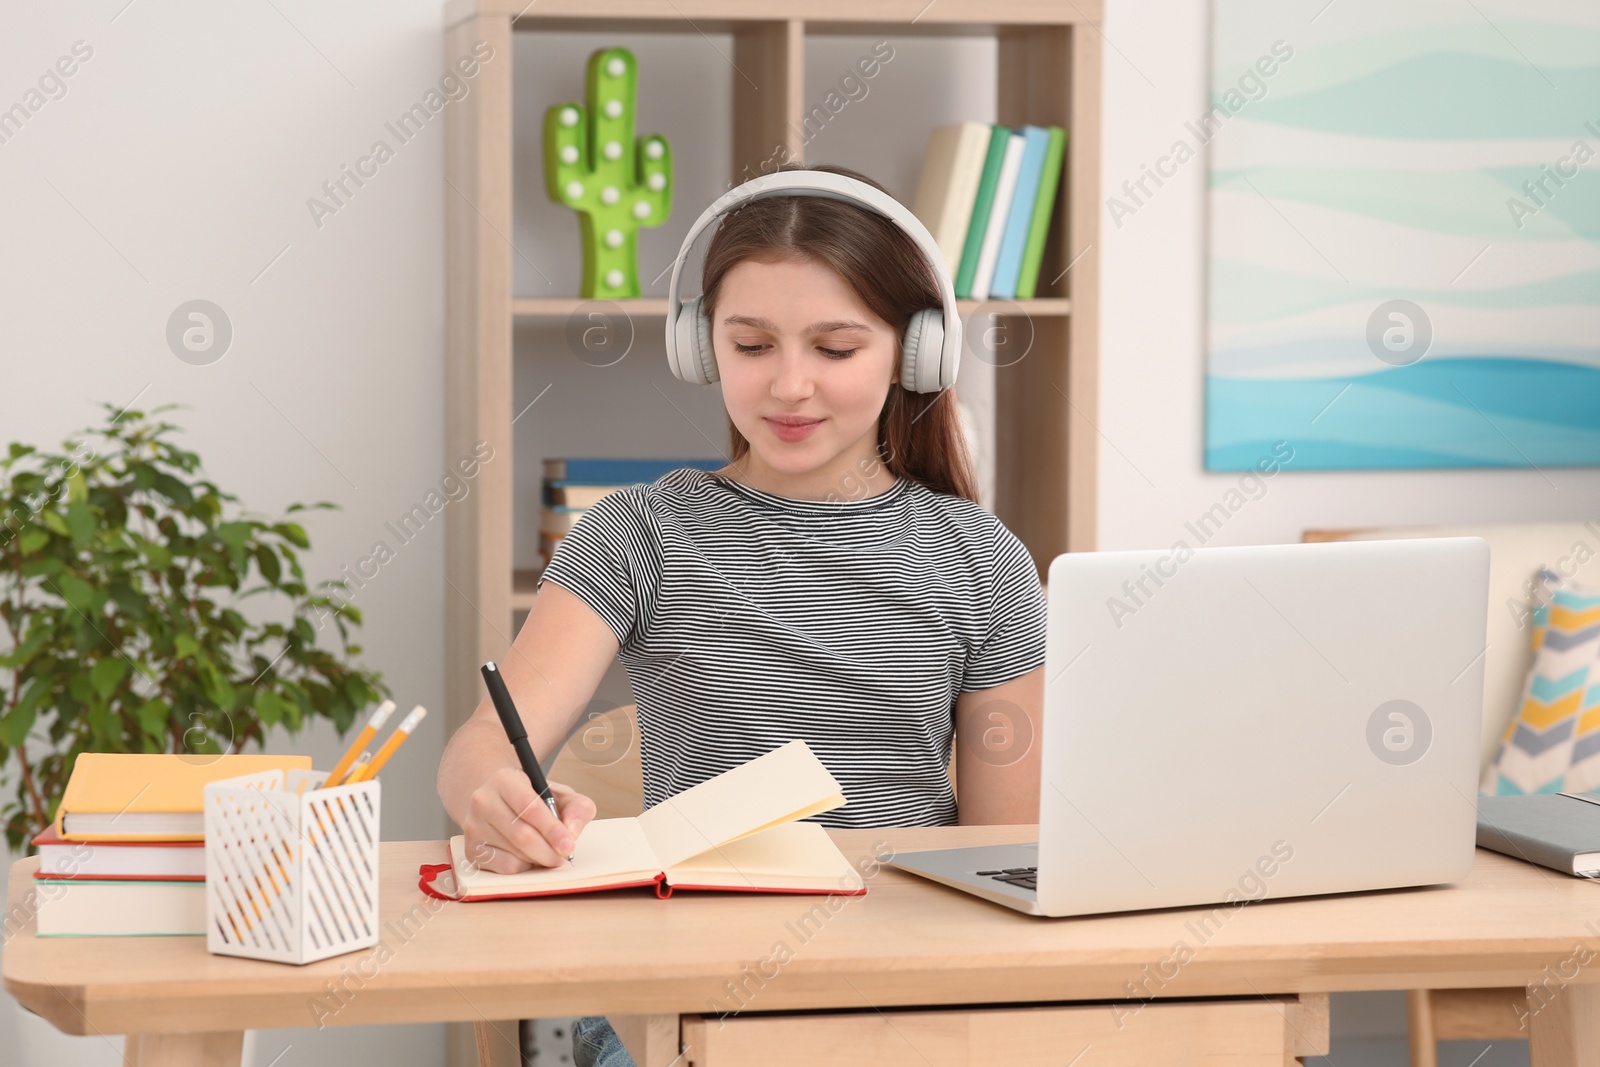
<point>838,187</point>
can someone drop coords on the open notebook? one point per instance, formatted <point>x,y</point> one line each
<point>737,831</point>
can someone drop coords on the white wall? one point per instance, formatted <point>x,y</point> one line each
<point>1152,354</point>
<point>181,159</point>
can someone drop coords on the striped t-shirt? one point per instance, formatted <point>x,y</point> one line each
<point>746,620</point>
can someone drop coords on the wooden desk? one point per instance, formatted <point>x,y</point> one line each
<point>862,965</point>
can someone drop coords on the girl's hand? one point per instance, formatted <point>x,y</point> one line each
<point>509,828</point>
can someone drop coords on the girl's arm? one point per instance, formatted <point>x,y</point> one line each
<point>998,749</point>
<point>552,670</point>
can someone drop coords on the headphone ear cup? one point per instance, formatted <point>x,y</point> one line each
<point>921,350</point>
<point>696,361</point>
<point>704,352</point>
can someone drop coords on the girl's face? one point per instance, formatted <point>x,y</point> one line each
<point>805,371</point>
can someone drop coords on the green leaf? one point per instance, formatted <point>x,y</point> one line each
<point>49,565</point>
<point>158,555</point>
<point>107,675</point>
<point>186,646</point>
<point>20,719</point>
<point>54,522</point>
<point>153,715</point>
<point>33,539</point>
<point>79,593</point>
<point>80,520</point>
<point>172,488</point>
<point>269,707</point>
<point>77,488</point>
<point>215,685</point>
<point>294,533</point>
<point>267,560</point>
<point>234,534</point>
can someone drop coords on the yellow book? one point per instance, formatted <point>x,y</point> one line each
<point>737,831</point>
<point>150,796</point>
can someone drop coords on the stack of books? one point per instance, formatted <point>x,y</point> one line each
<point>574,485</point>
<point>126,853</point>
<point>986,195</point>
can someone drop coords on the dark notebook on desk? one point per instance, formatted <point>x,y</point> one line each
<point>1556,830</point>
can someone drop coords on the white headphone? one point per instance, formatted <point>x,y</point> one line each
<point>930,350</point>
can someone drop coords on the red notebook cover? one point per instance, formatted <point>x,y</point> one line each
<point>429,874</point>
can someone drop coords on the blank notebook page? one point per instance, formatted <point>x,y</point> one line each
<point>606,851</point>
<point>785,784</point>
<point>793,852</point>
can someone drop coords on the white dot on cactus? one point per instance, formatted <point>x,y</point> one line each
<point>654,149</point>
<point>609,195</point>
<point>614,238</point>
<point>657,181</point>
<point>613,150</point>
<point>614,279</point>
<point>641,210</point>
<point>613,108</point>
<point>574,190</point>
<point>569,154</point>
<point>616,67</point>
<point>569,116</point>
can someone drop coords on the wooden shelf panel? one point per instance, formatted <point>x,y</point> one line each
<point>524,585</point>
<point>560,307</point>
<point>902,17</point>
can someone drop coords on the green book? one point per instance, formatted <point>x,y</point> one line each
<point>1033,252</point>
<point>980,210</point>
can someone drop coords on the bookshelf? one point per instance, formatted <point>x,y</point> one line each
<point>1048,73</point>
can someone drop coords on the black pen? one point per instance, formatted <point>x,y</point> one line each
<point>519,736</point>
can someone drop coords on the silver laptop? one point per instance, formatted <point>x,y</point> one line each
<point>1235,724</point>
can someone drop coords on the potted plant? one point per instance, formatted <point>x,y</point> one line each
<point>142,611</point>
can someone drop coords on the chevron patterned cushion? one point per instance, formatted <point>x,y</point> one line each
<point>1552,745</point>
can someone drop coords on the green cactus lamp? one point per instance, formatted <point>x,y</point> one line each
<point>617,183</point>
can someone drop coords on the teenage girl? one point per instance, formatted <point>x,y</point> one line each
<point>836,581</point>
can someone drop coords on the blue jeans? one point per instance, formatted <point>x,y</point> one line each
<point>595,1044</point>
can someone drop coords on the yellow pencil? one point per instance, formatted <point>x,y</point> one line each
<point>362,740</point>
<point>355,769</point>
<point>396,739</point>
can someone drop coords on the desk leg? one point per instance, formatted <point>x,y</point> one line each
<point>1419,1014</point>
<point>499,1042</point>
<point>1565,1032</point>
<point>222,1048</point>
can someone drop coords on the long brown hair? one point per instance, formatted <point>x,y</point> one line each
<point>919,434</point>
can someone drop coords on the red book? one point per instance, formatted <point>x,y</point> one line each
<point>165,861</point>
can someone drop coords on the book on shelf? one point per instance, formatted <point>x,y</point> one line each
<point>948,186</point>
<point>987,195</point>
<point>982,208</point>
<point>573,484</point>
<point>618,470</point>
<point>739,831</point>
<point>995,226</point>
<point>150,796</point>
<point>1043,209</point>
<point>1014,237</point>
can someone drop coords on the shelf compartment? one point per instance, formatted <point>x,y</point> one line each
<point>560,307</point>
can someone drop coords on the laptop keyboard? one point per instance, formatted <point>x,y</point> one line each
<point>1021,877</point>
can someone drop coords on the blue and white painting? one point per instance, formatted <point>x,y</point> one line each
<point>1404,226</point>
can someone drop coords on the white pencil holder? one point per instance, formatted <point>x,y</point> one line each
<point>291,876</point>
